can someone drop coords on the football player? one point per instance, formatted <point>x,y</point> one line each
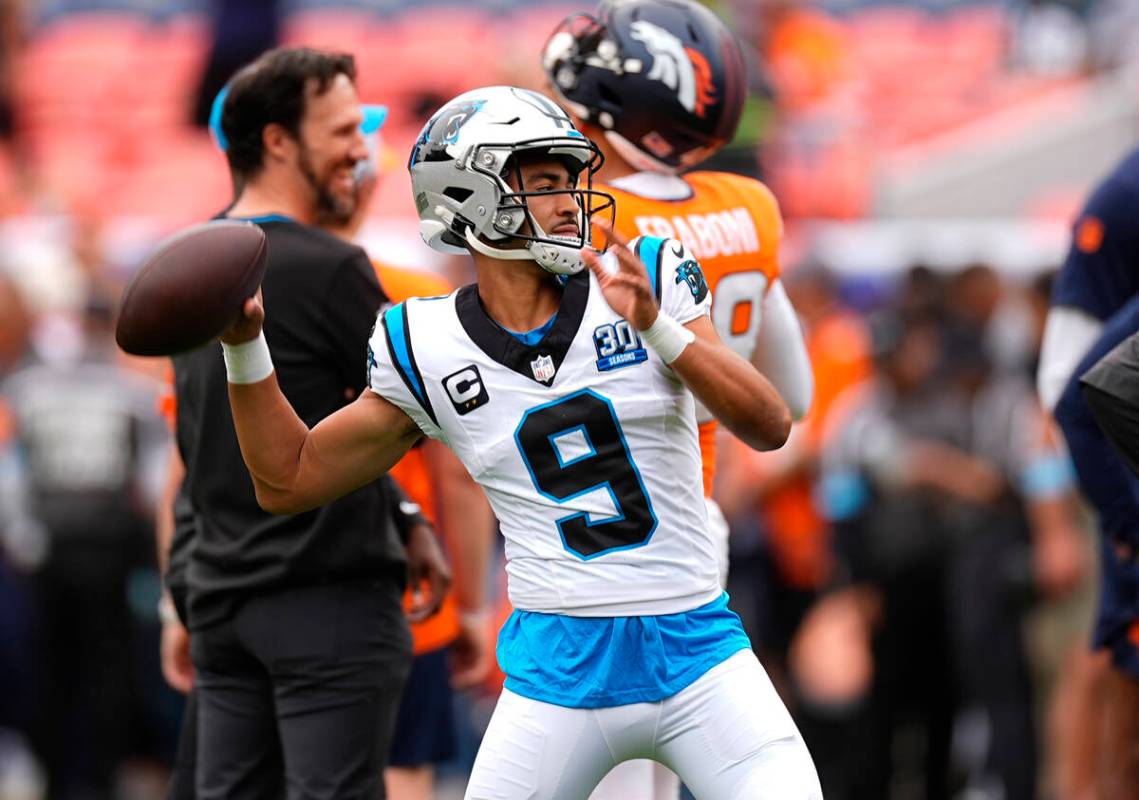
<point>568,394</point>
<point>1095,306</point>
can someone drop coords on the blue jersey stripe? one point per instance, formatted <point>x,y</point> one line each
<point>399,345</point>
<point>649,249</point>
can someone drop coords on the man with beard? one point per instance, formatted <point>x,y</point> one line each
<point>299,643</point>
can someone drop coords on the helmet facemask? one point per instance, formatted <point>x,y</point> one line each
<point>467,178</point>
<point>514,221</point>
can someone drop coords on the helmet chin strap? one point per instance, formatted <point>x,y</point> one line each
<point>495,252</point>
<point>558,259</point>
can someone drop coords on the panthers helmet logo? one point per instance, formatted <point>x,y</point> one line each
<point>690,273</point>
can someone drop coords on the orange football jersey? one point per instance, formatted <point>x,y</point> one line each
<point>732,226</point>
<point>411,471</point>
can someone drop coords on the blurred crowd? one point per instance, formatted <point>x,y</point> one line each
<point>914,566</point>
<point>899,556</point>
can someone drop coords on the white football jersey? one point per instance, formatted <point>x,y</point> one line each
<point>585,442</point>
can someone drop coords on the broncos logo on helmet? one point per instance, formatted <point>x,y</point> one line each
<point>678,67</point>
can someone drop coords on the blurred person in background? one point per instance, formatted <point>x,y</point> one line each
<point>955,509</point>
<point>15,325</point>
<point>240,32</point>
<point>1023,547</point>
<point>86,439</point>
<point>1114,29</point>
<point>872,654</point>
<point>1051,36</point>
<point>12,34</point>
<point>679,105</point>
<point>298,640</point>
<point>805,51</point>
<point>1095,306</point>
<point>781,541</point>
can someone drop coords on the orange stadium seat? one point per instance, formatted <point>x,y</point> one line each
<point>383,76</point>
<point>888,38</point>
<point>187,184</point>
<point>444,51</point>
<point>976,41</point>
<point>521,37</point>
<point>169,66</point>
<point>69,67</point>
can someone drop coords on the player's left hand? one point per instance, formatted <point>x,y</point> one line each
<point>426,567</point>
<point>627,289</point>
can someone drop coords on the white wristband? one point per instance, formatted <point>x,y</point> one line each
<point>248,362</point>
<point>667,337</point>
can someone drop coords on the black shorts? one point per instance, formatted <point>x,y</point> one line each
<point>425,725</point>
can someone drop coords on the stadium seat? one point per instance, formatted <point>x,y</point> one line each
<point>344,30</point>
<point>69,67</point>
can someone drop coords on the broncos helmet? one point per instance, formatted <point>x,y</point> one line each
<point>665,79</point>
<point>460,167</point>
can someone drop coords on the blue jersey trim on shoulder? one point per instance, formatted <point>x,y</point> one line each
<point>649,250</point>
<point>601,662</point>
<point>398,334</point>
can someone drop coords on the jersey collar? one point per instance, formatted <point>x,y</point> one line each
<point>508,350</point>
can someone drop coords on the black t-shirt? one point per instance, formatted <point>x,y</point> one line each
<point>321,298</point>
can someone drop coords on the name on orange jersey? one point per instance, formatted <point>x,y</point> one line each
<point>722,233</point>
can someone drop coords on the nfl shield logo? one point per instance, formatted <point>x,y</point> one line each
<point>543,368</point>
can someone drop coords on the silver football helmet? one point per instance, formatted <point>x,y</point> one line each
<point>459,169</point>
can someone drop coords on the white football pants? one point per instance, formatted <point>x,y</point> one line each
<point>728,737</point>
<point>639,779</point>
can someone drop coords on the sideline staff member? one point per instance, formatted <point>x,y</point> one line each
<point>298,639</point>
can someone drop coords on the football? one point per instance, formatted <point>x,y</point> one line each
<point>191,288</point>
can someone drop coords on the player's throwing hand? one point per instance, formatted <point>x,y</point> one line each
<point>627,289</point>
<point>247,327</point>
